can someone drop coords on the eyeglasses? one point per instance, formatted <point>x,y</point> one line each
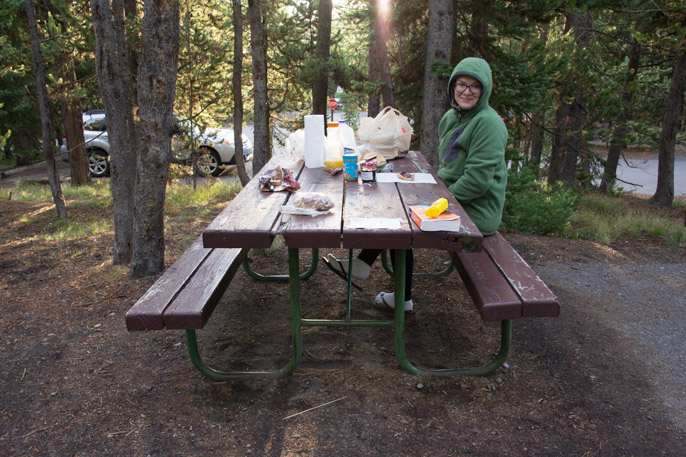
<point>473,88</point>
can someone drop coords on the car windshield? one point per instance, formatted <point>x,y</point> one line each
<point>188,126</point>
<point>95,124</point>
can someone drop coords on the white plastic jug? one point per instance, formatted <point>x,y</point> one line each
<point>314,141</point>
<point>333,146</point>
<point>347,135</point>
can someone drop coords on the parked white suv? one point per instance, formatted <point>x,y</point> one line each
<point>97,143</point>
<point>216,147</point>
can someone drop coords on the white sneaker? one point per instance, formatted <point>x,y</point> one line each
<point>386,300</point>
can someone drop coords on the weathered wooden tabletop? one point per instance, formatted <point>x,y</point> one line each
<point>365,215</point>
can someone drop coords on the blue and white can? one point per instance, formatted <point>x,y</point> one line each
<point>349,164</point>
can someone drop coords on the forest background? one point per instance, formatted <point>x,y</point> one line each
<point>567,75</point>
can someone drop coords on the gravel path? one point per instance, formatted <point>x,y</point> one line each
<point>646,304</point>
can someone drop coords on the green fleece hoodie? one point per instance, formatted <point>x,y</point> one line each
<point>472,151</point>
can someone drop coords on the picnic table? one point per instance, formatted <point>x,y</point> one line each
<point>365,215</point>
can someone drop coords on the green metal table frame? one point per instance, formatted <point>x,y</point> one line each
<point>298,322</point>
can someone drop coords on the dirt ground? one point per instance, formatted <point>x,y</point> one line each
<point>76,383</point>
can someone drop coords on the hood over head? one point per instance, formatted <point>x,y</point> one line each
<point>476,68</point>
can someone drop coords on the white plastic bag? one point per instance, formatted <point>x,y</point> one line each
<point>309,204</point>
<point>295,143</point>
<point>387,133</point>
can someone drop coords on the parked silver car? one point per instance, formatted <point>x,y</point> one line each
<point>215,147</point>
<point>97,143</point>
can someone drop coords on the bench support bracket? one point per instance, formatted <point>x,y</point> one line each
<point>485,370</point>
<point>277,277</point>
<point>400,353</point>
<point>296,334</point>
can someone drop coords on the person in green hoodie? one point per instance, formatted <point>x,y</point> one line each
<point>471,151</point>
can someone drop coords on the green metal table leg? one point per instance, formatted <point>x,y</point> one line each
<point>296,336</point>
<point>350,285</point>
<point>304,275</point>
<point>399,337</point>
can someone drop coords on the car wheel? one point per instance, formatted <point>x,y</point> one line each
<point>98,163</point>
<point>209,162</point>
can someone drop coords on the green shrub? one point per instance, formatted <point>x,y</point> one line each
<point>532,205</point>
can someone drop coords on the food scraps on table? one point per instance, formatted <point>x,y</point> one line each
<point>278,179</point>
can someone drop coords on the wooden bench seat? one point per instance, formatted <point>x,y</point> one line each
<point>502,285</point>
<point>187,293</point>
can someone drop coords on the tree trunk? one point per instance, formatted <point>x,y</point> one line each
<point>112,63</point>
<point>156,91</point>
<point>618,141</point>
<point>133,40</point>
<point>537,146</point>
<point>70,106</point>
<point>569,116</point>
<point>557,152</point>
<point>48,137</point>
<point>379,68</point>
<point>321,80</point>
<point>238,91</point>
<point>435,97</point>
<point>72,118</point>
<point>373,101</point>
<point>382,52</point>
<point>582,24</point>
<point>261,149</point>
<point>674,110</point>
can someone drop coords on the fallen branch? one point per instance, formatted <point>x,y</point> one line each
<point>314,407</point>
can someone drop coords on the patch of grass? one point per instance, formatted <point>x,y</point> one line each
<point>27,191</point>
<point>181,197</point>
<point>79,228</point>
<point>97,195</point>
<point>7,163</point>
<point>604,218</point>
<point>91,206</point>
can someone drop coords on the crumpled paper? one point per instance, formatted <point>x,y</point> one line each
<point>278,179</point>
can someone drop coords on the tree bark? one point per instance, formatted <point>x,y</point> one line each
<point>70,106</point>
<point>577,110</point>
<point>435,97</point>
<point>321,79</point>
<point>72,119</point>
<point>238,91</point>
<point>48,137</point>
<point>379,68</point>
<point>537,146</point>
<point>618,141</point>
<point>261,149</point>
<point>674,112</point>
<point>557,152</point>
<point>113,68</point>
<point>570,116</point>
<point>156,91</point>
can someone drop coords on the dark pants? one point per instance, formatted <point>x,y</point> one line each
<point>369,256</point>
